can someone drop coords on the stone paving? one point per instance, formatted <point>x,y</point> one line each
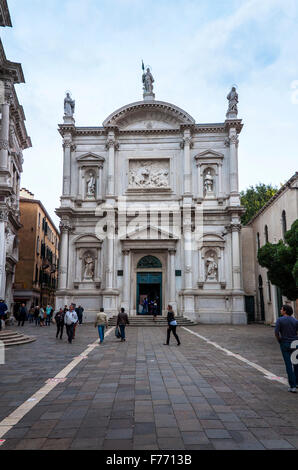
<point>143,395</point>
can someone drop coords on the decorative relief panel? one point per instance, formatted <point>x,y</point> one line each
<point>149,174</point>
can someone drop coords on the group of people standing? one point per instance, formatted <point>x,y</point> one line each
<point>149,307</point>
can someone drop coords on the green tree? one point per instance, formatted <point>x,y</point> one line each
<point>281,260</point>
<point>254,198</point>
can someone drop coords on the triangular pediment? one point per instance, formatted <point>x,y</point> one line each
<point>151,115</point>
<point>90,157</point>
<point>209,153</point>
<point>148,232</point>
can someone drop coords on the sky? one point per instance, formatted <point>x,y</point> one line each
<point>197,50</point>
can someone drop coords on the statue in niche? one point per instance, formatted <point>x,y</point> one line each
<point>233,101</point>
<point>208,183</point>
<point>10,238</point>
<point>91,185</point>
<point>69,105</point>
<point>148,81</point>
<point>88,267</point>
<point>211,267</point>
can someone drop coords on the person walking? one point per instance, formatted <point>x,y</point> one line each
<point>31,314</point>
<point>172,325</point>
<point>70,319</point>
<point>101,322</point>
<point>122,321</point>
<point>286,332</point>
<point>36,315</point>
<point>48,313</point>
<point>59,319</point>
<point>3,310</point>
<point>22,315</point>
<point>79,311</point>
<point>41,316</point>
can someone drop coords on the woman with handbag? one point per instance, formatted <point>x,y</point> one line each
<point>172,325</point>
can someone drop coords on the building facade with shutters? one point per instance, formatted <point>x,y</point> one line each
<point>270,224</point>
<point>13,140</point>
<point>151,208</point>
<point>36,277</point>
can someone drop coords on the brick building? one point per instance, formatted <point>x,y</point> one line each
<point>37,269</point>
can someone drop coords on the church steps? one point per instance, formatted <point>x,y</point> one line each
<point>11,338</point>
<point>147,320</point>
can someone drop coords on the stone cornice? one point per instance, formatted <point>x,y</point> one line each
<point>233,123</point>
<point>10,70</point>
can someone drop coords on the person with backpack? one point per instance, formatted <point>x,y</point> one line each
<point>172,325</point>
<point>59,319</point>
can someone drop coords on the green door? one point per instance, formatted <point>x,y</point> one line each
<point>149,285</point>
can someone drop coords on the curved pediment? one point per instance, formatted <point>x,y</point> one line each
<point>151,115</point>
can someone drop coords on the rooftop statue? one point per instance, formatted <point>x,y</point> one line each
<point>233,101</point>
<point>69,105</point>
<point>148,81</point>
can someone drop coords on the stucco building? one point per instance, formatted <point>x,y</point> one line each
<point>13,140</point>
<point>37,270</point>
<point>151,207</point>
<point>263,299</point>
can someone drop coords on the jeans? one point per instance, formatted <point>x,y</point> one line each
<point>48,320</point>
<point>37,321</point>
<point>292,369</point>
<point>172,328</point>
<point>101,332</point>
<point>69,331</point>
<point>122,331</point>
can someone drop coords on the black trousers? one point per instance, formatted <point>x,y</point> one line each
<point>60,328</point>
<point>22,320</point>
<point>172,328</point>
<point>69,331</point>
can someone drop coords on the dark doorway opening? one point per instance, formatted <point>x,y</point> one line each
<point>149,293</point>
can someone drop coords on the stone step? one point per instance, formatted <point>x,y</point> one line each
<point>13,338</point>
<point>147,320</point>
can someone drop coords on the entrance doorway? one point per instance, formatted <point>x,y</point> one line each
<point>149,292</point>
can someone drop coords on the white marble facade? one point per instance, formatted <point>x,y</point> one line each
<point>152,184</point>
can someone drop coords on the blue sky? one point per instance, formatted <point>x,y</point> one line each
<point>197,49</point>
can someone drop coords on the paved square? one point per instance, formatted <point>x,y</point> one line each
<point>143,395</point>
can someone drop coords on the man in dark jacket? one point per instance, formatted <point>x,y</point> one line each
<point>59,319</point>
<point>22,315</point>
<point>79,312</point>
<point>286,332</point>
<point>122,321</point>
<point>3,309</point>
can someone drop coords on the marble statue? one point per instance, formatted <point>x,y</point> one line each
<point>148,81</point>
<point>91,185</point>
<point>233,100</point>
<point>89,267</point>
<point>69,105</point>
<point>208,182</point>
<point>211,267</point>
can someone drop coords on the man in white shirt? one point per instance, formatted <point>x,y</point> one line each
<point>70,319</point>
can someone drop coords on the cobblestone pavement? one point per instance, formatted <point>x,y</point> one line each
<point>143,395</point>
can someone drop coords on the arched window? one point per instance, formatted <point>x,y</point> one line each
<point>266,234</point>
<point>284,223</point>
<point>149,262</point>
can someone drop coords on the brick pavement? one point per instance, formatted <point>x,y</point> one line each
<point>143,395</point>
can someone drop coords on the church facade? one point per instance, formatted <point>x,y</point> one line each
<point>151,210</point>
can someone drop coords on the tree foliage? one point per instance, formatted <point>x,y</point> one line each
<point>281,260</point>
<point>254,198</point>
